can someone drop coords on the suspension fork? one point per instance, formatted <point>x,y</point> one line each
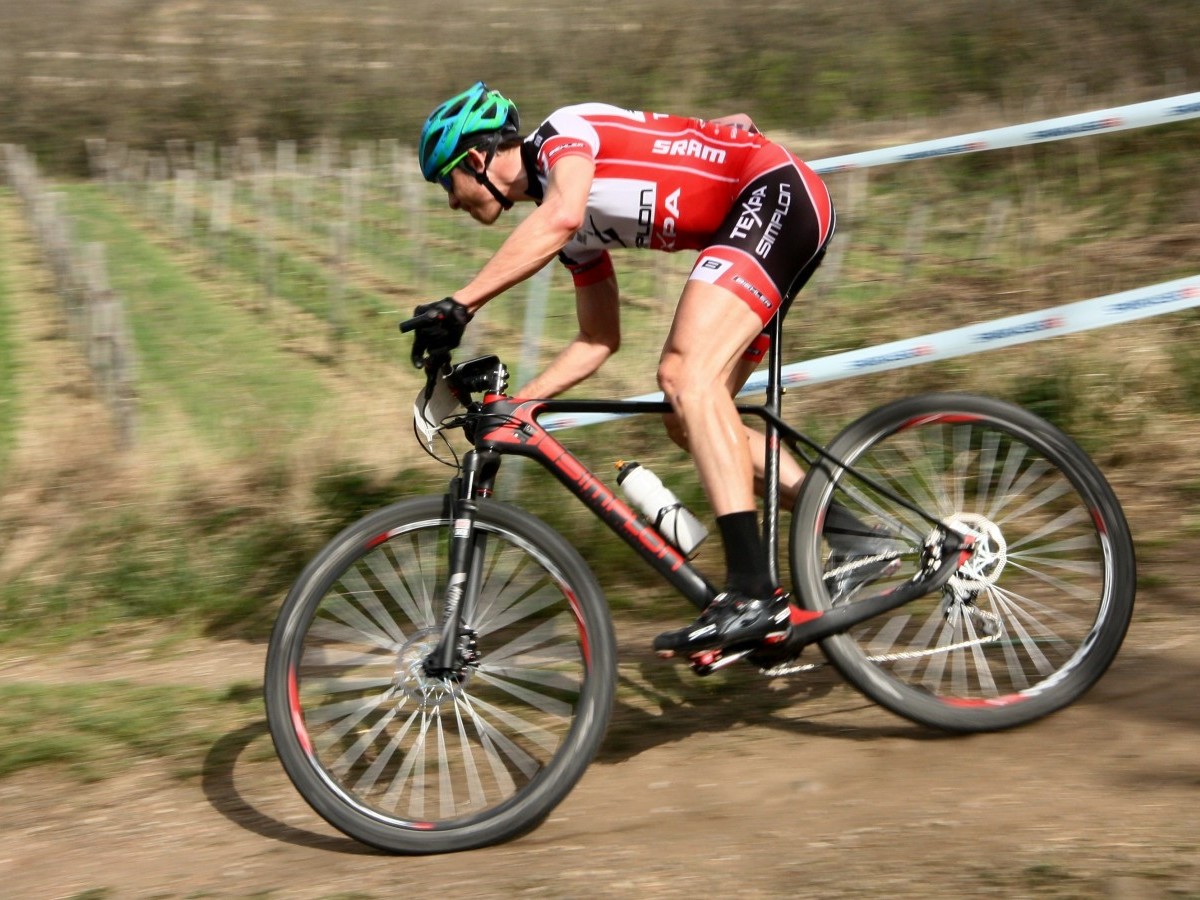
<point>464,572</point>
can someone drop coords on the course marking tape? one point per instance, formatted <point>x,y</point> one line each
<point>1119,118</point>
<point>1085,315</point>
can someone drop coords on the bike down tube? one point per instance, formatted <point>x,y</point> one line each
<point>517,432</point>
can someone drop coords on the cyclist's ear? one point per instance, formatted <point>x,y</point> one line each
<point>476,160</point>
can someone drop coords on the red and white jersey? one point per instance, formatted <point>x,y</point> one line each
<point>665,182</point>
<point>662,182</point>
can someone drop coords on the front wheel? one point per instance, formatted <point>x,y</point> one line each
<point>1028,623</point>
<point>401,756</point>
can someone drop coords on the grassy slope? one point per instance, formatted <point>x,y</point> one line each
<point>187,342</point>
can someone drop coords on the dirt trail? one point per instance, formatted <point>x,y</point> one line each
<point>755,789</point>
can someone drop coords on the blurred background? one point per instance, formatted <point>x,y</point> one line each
<point>211,221</point>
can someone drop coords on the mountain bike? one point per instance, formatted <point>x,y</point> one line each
<point>443,671</point>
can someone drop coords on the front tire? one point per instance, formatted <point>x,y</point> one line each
<point>414,763</point>
<point>1036,615</point>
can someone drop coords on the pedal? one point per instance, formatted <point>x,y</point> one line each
<point>711,660</point>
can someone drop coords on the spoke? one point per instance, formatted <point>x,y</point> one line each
<point>510,574</point>
<point>366,597</point>
<point>445,786</point>
<point>536,733</point>
<point>330,736</point>
<point>546,678</point>
<point>368,778</point>
<point>1012,465</point>
<point>1082,593</point>
<point>417,562</point>
<point>937,662</point>
<point>990,444</point>
<point>340,658</point>
<point>1032,650</point>
<point>414,759</point>
<point>1066,545</point>
<point>474,784</point>
<point>344,763</point>
<point>552,629</point>
<point>1079,567</point>
<point>1049,493</point>
<point>341,685</point>
<point>531,603</point>
<point>386,572</point>
<point>1040,616</point>
<point>1062,522</point>
<point>962,458</point>
<point>983,670</point>
<point>327,713</point>
<point>544,702</point>
<point>887,636</point>
<point>921,642</point>
<point>348,614</point>
<point>484,731</point>
<point>522,760</point>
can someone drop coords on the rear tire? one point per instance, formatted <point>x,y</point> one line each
<point>1038,613</point>
<point>412,763</point>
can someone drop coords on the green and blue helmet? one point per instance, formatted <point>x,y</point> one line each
<point>478,116</point>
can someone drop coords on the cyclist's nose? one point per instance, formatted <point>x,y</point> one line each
<point>453,201</point>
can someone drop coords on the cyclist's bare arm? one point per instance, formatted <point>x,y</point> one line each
<point>537,239</point>
<point>599,337</point>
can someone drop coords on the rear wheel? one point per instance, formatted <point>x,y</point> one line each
<point>1029,622</point>
<point>411,761</point>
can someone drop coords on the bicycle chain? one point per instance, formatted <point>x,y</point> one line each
<point>860,563</point>
<point>781,671</point>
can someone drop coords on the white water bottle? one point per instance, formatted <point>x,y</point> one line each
<point>673,520</point>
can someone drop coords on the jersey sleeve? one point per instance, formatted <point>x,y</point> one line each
<point>592,268</point>
<point>563,134</point>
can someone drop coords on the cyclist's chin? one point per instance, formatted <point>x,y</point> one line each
<point>485,215</point>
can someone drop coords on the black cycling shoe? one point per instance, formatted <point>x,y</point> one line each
<point>731,619</point>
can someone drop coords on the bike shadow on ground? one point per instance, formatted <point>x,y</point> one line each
<point>220,788</point>
<point>661,702</point>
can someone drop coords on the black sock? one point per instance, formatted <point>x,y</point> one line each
<point>745,555</point>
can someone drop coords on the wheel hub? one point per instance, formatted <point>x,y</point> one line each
<point>413,678</point>
<point>988,557</point>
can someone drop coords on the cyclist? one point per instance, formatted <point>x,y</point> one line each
<point>602,178</point>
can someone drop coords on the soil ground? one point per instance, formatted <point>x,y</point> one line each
<point>751,788</point>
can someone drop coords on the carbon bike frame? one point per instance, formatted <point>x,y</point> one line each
<point>502,426</point>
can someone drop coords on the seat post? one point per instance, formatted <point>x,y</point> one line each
<point>773,403</point>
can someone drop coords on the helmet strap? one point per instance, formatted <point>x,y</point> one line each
<point>482,178</point>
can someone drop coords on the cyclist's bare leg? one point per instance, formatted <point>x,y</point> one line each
<point>711,330</point>
<point>790,472</point>
<point>703,352</point>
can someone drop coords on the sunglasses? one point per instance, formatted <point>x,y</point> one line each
<point>444,178</point>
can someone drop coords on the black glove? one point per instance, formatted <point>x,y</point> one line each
<point>439,328</point>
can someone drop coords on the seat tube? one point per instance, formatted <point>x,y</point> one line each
<point>771,461</point>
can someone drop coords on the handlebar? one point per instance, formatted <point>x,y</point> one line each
<point>416,321</point>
